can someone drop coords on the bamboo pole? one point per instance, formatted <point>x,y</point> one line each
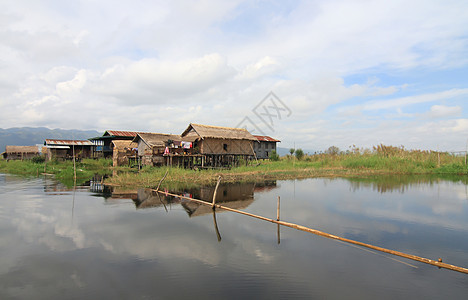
<point>215,191</point>
<point>164,177</point>
<point>218,235</point>
<point>437,263</point>
<point>278,210</point>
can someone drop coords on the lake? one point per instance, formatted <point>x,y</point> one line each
<point>92,242</point>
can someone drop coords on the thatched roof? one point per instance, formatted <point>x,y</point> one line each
<point>156,139</point>
<point>217,132</point>
<point>122,144</point>
<point>21,149</point>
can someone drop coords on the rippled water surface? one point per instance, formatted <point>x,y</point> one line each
<point>60,243</point>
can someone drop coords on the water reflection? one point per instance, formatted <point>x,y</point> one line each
<point>58,243</point>
<point>237,196</point>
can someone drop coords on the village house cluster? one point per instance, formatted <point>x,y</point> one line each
<point>201,146</point>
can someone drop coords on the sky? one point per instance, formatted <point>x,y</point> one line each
<point>312,74</point>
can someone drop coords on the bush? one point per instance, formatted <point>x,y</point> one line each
<point>299,154</point>
<point>38,159</point>
<point>274,156</point>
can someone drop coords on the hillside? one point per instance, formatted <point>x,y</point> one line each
<point>29,136</point>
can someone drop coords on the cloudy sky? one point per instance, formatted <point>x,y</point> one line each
<point>341,72</point>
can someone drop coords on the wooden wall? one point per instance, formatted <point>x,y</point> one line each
<point>225,146</point>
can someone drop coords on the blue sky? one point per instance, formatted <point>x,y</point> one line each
<point>349,72</point>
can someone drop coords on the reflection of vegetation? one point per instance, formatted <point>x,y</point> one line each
<point>400,183</point>
<point>63,170</point>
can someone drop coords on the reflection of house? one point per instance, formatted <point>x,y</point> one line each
<point>123,152</point>
<point>220,146</point>
<point>104,143</point>
<point>264,146</point>
<point>20,152</point>
<point>66,149</point>
<point>238,196</point>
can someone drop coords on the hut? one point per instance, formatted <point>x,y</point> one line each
<point>220,146</point>
<point>67,149</point>
<point>20,152</point>
<point>153,147</point>
<point>264,146</point>
<point>103,144</point>
<point>124,152</point>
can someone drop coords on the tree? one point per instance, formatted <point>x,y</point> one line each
<point>291,151</point>
<point>299,154</point>
<point>333,150</point>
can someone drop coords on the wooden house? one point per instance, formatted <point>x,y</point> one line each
<point>154,147</point>
<point>103,144</point>
<point>123,152</point>
<point>220,146</point>
<point>66,149</point>
<point>264,146</point>
<point>20,152</point>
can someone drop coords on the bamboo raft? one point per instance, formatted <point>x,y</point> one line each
<point>437,263</point>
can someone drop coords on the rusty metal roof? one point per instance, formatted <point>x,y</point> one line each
<point>265,138</point>
<point>121,133</point>
<point>68,142</point>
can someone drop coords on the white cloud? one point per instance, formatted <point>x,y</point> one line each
<point>154,81</point>
<point>94,65</point>
<point>442,111</point>
<point>410,100</point>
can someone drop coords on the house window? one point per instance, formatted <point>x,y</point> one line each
<point>225,147</point>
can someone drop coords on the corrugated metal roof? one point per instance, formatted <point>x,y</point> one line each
<point>121,133</point>
<point>265,138</point>
<point>68,142</point>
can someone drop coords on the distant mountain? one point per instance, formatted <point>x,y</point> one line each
<point>30,136</point>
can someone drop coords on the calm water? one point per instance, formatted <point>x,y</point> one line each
<point>57,243</point>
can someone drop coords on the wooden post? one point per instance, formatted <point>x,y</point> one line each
<point>215,191</point>
<point>466,150</point>
<point>74,166</point>
<point>278,234</point>
<point>278,210</point>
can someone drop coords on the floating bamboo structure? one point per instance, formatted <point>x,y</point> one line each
<point>437,263</point>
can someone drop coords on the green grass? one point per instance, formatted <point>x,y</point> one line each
<point>382,160</point>
<point>62,170</point>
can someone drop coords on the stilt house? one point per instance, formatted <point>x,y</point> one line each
<point>154,147</point>
<point>220,146</point>
<point>264,146</point>
<point>103,144</point>
<point>124,152</point>
<point>66,149</point>
<point>20,152</point>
